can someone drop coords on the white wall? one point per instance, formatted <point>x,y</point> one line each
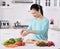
<point>52,11</point>
<point>20,12</point>
<point>16,12</point>
<point>1,13</point>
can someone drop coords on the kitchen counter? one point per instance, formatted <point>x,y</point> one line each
<point>55,28</point>
<point>30,46</point>
<point>14,33</point>
<point>17,27</point>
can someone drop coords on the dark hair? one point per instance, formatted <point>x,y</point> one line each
<point>37,7</point>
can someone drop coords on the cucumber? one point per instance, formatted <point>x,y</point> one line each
<point>12,40</point>
<point>18,40</point>
<point>42,44</point>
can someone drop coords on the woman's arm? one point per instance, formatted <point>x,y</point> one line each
<point>43,29</point>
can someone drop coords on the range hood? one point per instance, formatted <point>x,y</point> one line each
<point>22,1</point>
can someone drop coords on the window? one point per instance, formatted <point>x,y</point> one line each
<point>37,2</point>
<point>55,2</point>
<point>47,2</point>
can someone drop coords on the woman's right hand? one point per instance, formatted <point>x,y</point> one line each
<point>24,32</point>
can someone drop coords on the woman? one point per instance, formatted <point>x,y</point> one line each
<point>39,24</point>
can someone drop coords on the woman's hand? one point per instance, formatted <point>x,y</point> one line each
<point>24,32</point>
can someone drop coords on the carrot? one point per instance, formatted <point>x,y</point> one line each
<point>11,46</point>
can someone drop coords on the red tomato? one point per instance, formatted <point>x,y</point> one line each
<point>19,43</point>
<point>50,43</point>
<point>23,43</point>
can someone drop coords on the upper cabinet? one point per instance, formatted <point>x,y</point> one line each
<point>22,1</point>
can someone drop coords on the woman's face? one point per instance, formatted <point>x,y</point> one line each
<point>35,13</point>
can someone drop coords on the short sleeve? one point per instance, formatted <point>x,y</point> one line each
<point>44,27</point>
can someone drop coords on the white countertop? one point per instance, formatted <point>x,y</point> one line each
<point>13,33</point>
<point>28,47</point>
